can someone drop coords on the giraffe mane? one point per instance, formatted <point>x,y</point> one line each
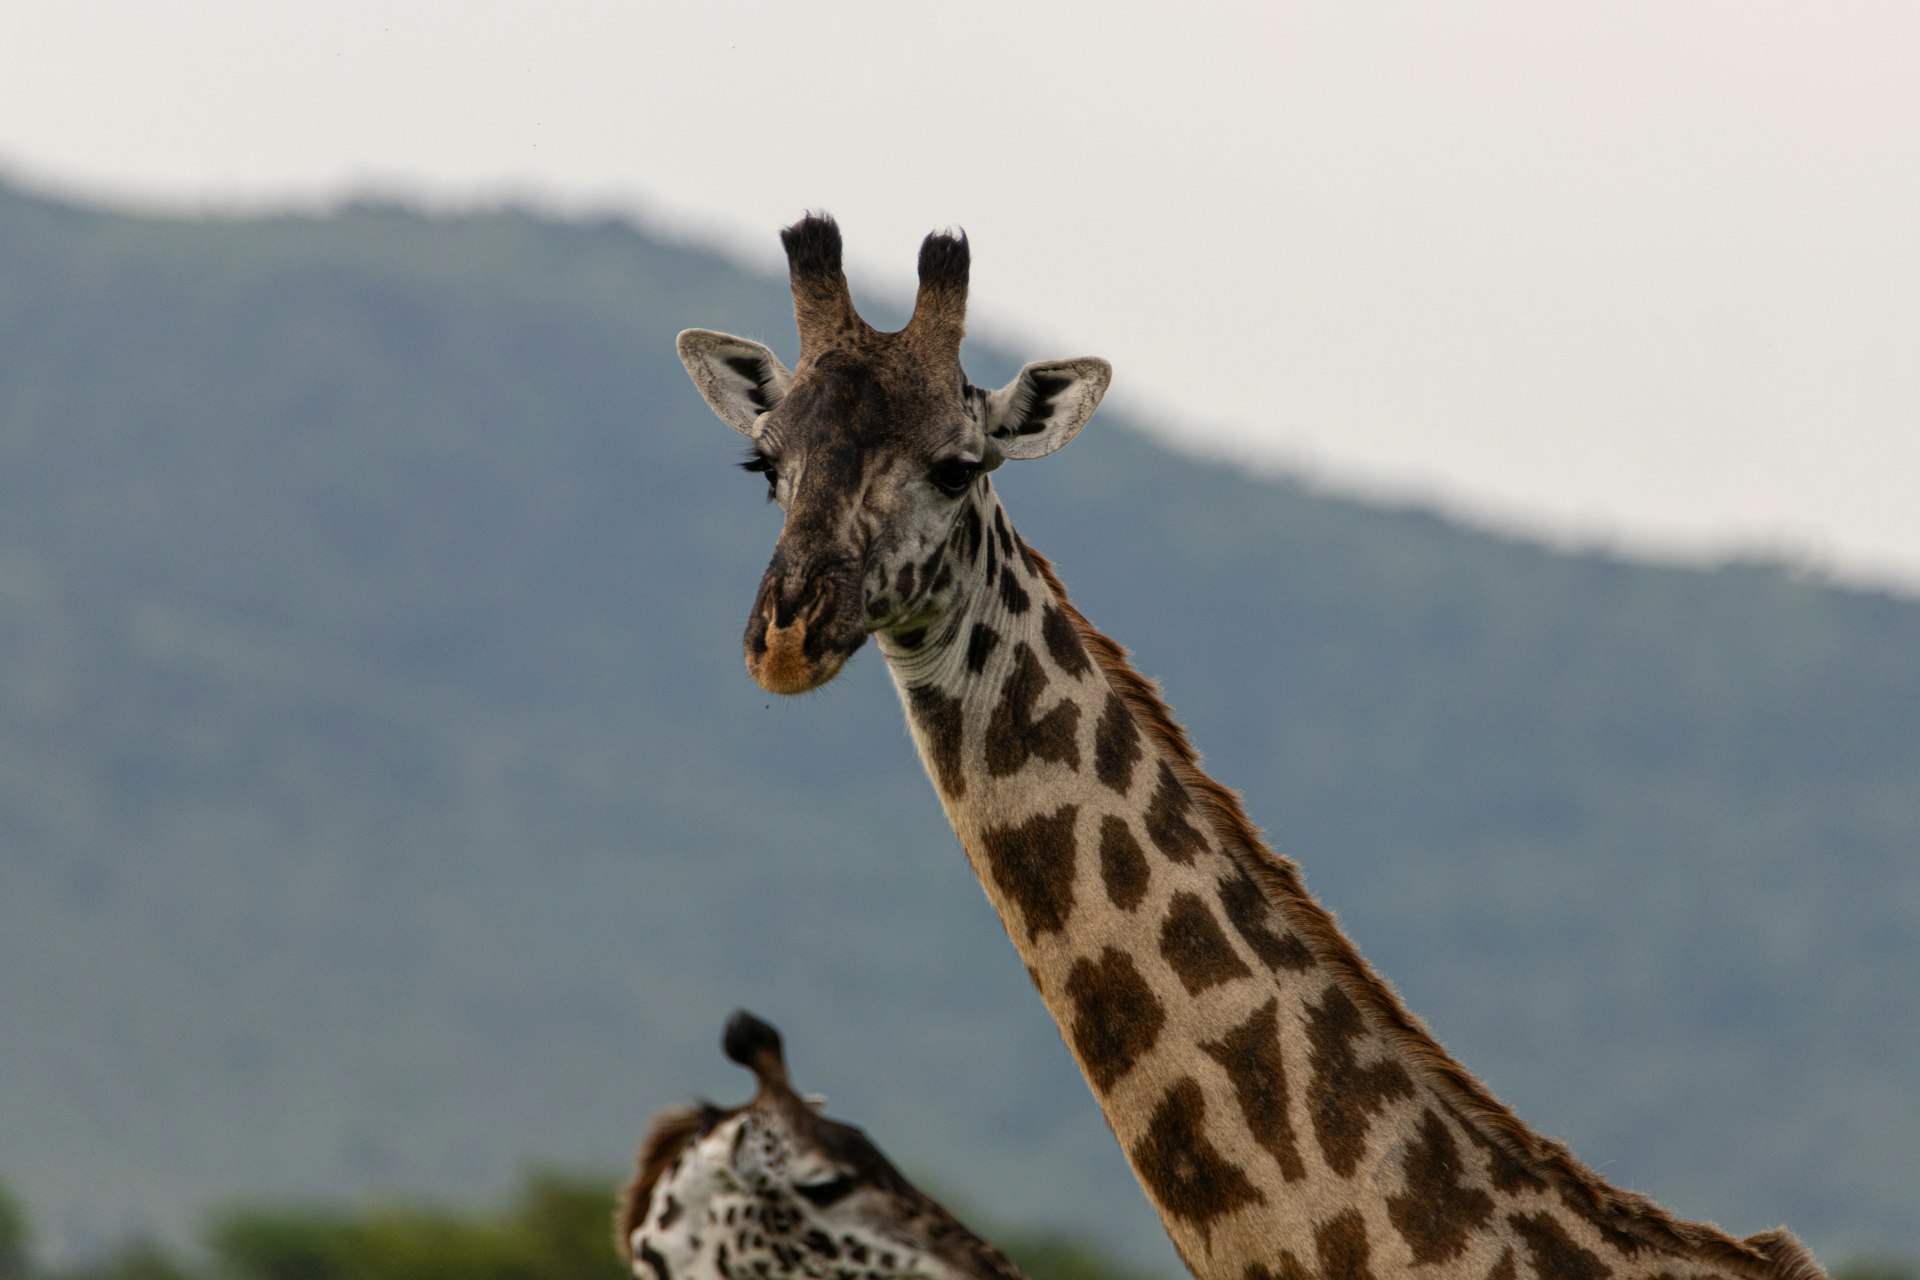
<point>1770,1255</point>
<point>670,1132</point>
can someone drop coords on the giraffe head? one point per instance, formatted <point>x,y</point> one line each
<point>774,1190</point>
<point>876,447</point>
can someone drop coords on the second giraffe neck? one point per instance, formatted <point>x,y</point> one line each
<point>1284,1112</point>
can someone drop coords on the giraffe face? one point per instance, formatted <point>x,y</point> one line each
<point>752,1197</point>
<point>876,447</point>
<point>873,461</point>
<point>773,1189</point>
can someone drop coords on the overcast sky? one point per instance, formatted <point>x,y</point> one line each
<point>1644,272</point>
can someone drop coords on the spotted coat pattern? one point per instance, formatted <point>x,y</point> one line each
<point>1287,1115</point>
<point>1279,1124</point>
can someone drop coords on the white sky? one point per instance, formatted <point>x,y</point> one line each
<point>1647,272</point>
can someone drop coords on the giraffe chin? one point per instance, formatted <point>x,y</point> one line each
<point>783,666</point>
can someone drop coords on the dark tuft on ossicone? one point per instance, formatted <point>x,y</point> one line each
<point>945,260</point>
<point>749,1041</point>
<point>813,245</point>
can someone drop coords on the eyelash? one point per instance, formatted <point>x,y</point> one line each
<point>761,465</point>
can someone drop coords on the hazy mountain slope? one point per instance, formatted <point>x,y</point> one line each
<point>384,802</point>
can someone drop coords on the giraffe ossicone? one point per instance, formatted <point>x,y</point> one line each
<point>1287,1115</point>
<point>774,1190</point>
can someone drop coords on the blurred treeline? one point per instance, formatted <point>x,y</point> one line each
<point>557,1227</point>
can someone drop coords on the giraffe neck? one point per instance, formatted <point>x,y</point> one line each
<point>1287,1116</point>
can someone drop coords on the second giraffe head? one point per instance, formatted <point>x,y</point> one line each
<point>773,1190</point>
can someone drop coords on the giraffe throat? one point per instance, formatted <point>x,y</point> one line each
<point>1289,1118</point>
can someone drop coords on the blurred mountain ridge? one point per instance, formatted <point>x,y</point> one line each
<point>384,804</point>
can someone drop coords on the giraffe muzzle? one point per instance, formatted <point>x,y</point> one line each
<point>803,629</point>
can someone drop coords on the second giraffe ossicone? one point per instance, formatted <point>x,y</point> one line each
<point>773,1190</point>
<point>1287,1115</point>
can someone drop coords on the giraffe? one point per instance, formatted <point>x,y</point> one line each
<point>772,1190</point>
<point>1287,1115</point>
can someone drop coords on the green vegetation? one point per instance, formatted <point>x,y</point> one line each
<point>382,800</point>
<point>1055,1255</point>
<point>15,1242</point>
<point>1878,1270</point>
<point>557,1228</point>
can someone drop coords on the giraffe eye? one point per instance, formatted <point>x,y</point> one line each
<point>953,476</point>
<point>760,464</point>
<point>830,1191</point>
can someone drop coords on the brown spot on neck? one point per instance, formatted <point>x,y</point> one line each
<point>1184,1172</point>
<point>1341,1242</point>
<point>942,725</point>
<point>981,642</point>
<point>1116,1017</point>
<point>1196,947</point>
<point>1554,1252</point>
<point>1505,1172</point>
<point>1250,1055</point>
<point>1063,645</point>
<point>1013,597</point>
<point>1123,867</point>
<point>1168,818</point>
<point>1033,864</point>
<point>1610,1232</point>
<point>1436,1214</point>
<point>1116,745</point>
<point>1014,736</point>
<point>1250,913</point>
<point>1344,1097</point>
<point>1340,1246</point>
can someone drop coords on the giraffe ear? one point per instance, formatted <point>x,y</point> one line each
<point>1046,404</point>
<point>739,378</point>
